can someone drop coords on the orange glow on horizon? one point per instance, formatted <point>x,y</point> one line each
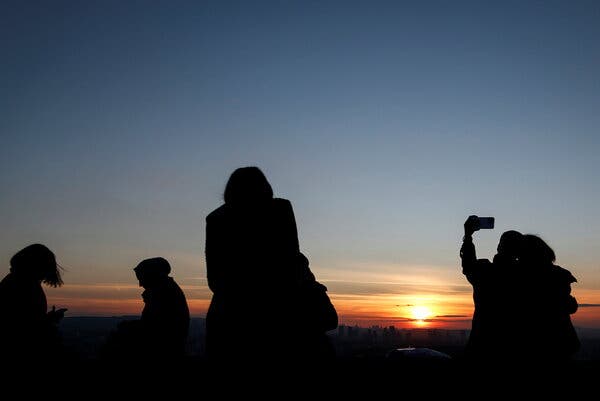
<point>114,299</point>
<point>405,311</point>
<point>446,309</point>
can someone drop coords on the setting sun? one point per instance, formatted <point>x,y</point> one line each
<point>421,312</point>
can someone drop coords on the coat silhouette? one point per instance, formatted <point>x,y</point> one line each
<point>316,315</point>
<point>252,269</point>
<point>29,331</point>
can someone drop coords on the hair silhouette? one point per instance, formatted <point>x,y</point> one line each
<point>510,244</point>
<point>536,251</point>
<point>39,263</point>
<point>247,185</point>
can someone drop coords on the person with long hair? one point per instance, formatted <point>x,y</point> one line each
<point>29,330</point>
<point>252,269</point>
<point>546,330</point>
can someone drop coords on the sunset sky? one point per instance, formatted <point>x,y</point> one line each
<point>385,123</point>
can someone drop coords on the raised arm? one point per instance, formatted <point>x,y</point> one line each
<point>468,255</point>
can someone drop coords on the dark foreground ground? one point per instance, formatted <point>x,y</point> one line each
<point>362,370</point>
<point>340,379</point>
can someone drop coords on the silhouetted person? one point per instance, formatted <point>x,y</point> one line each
<point>27,330</point>
<point>161,332</point>
<point>252,269</point>
<point>545,304</point>
<point>493,283</point>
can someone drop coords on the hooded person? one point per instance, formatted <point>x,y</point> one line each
<point>162,330</point>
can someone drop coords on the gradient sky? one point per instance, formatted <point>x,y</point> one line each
<point>385,123</point>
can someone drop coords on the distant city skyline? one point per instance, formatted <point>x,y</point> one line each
<point>384,123</point>
<point>86,335</point>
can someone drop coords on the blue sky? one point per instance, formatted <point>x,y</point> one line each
<point>385,124</point>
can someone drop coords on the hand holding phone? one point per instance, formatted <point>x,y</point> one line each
<point>56,315</point>
<point>486,223</point>
<point>476,223</point>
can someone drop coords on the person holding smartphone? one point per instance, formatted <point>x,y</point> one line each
<point>29,330</point>
<point>490,280</point>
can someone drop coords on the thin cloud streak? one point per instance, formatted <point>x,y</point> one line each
<point>451,316</point>
<point>393,288</point>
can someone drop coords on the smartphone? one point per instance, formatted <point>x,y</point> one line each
<point>486,222</point>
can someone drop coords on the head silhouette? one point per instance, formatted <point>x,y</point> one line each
<point>536,251</point>
<point>247,185</point>
<point>510,244</point>
<point>37,262</point>
<point>151,271</point>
